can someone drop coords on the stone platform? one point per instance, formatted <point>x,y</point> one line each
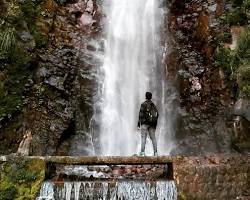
<point>224,176</point>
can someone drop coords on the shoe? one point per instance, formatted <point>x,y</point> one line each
<point>155,154</point>
<point>142,153</point>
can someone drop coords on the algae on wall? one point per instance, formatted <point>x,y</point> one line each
<point>21,178</point>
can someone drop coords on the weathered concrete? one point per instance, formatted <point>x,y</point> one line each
<point>105,160</point>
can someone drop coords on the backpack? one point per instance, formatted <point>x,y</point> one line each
<point>151,114</point>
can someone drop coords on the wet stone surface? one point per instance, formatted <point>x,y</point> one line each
<point>129,172</point>
<point>129,190</point>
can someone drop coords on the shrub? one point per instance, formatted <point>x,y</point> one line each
<point>224,59</point>
<point>8,194</point>
<point>243,78</point>
<point>230,60</point>
<point>224,37</point>
<point>242,51</point>
<point>236,3</point>
<point>237,17</point>
<point>243,75</point>
<point>7,41</point>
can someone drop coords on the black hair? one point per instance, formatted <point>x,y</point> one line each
<point>148,95</point>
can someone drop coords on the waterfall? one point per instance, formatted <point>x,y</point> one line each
<point>46,192</point>
<point>129,190</point>
<point>132,66</point>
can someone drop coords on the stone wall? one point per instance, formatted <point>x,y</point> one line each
<point>213,177</point>
<point>218,177</point>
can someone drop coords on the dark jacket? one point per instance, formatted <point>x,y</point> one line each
<point>142,114</point>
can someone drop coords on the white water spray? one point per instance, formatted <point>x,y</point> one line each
<point>129,190</point>
<point>132,66</point>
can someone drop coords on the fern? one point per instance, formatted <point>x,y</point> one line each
<point>7,40</point>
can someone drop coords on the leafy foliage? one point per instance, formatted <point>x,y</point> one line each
<point>8,193</point>
<point>236,3</point>
<point>242,52</point>
<point>243,78</point>
<point>237,62</point>
<point>222,38</point>
<point>224,59</point>
<point>237,17</point>
<point>7,41</point>
<point>21,179</point>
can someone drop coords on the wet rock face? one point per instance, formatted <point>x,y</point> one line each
<point>65,71</point>
<point>51,106</point>
<point>113,172</point>
<point>193,25</point>
<point>60,94</point>
<point>205,114</point>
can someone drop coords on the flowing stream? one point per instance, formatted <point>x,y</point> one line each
<point>132,66</point>
<point>127,190</point>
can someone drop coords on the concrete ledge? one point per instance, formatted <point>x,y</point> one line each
<point>96,160</point>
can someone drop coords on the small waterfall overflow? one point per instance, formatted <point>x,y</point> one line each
<point>127,190</point>
<point>109,181</point>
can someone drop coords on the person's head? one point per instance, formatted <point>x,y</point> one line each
<point>148,95</point>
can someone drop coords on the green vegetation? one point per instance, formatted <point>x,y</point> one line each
<point>236,3</point>
<point>236,63</point>
<point>224,59</point>
<point>243,77</point>
<point>239,14</point>
<point>21,179</point>
<point>224,37</point>
<point>15,54</point>
<point>237,17</point>
<point>7,41</point>
<point>8,193</point>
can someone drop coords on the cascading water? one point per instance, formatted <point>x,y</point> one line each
<point>127,190</point>
<point>132,65</point>
<point>109,182</point>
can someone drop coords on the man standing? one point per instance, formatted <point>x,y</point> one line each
<point>148,117</point>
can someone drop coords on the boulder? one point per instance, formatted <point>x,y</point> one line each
<point>242,108</point>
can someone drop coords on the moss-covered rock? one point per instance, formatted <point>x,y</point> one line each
<point>21,178</point>
<point>20,36</point>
